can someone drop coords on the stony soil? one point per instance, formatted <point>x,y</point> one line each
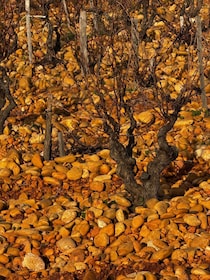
<point>70,217</point>
<point>56,225</point>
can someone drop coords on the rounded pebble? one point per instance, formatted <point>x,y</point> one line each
<point>33,262</point>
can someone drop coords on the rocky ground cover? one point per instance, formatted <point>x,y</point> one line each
<point>70,217</point>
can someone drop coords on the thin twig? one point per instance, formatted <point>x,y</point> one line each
<point>67,16</point>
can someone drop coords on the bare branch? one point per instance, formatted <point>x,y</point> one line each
<point>5,95</point>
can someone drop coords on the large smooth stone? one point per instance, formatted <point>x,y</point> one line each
<point>75,173</point>
<point>125,248</point>
<point>101,239</point>
<point>33,262</point>
<point>191,220</point>
<point>162,253</point>
<point>65,243</point>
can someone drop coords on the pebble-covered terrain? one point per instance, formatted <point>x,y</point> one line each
<point>56,224</point>
<point>69,217</point>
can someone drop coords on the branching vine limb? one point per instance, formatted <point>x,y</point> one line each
<point>122,154</point>
<point>165,153</point>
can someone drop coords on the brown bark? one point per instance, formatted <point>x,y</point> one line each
<point>140,193</point>
<point>61,145</point>
<point>47,141</point>
<point>5,95</point>
<point>83,42</point>
<point>200,63</point>
<point>125,170</point>
<point>164,156</point>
